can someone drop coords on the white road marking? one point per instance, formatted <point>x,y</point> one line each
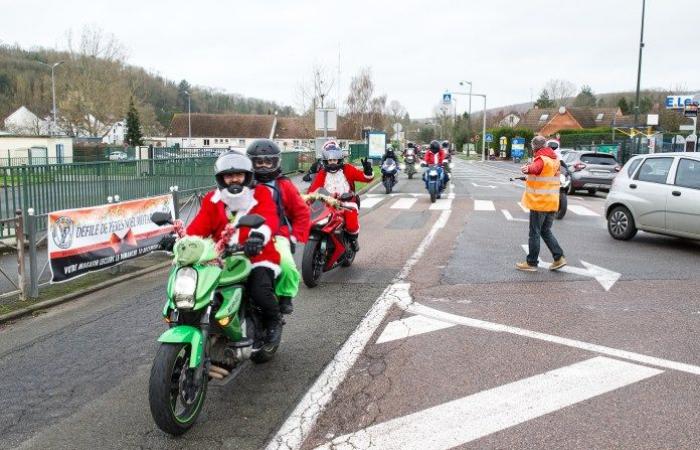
<point>510,217</point>
<point>300,422</point>
<point>441,204</point>
<point>582,211</point>
<point>487,186</point>
<point>370,202</point>
<point>523,207</point>
<point>411,326</point>
<point>607,278</point>
<point>417,308</point>
<point>478,415</point>
<point>404,203</point>
<point>484,205</point>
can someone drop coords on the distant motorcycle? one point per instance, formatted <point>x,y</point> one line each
<point>389,171</point>
<point>409,159</point>
<point>433,177</point>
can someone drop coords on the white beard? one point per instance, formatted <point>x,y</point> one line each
<point>237,202</point>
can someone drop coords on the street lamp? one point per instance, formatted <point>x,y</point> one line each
<point>189,119</point>
<point>469,118</point>
<point>483,124</point>
<point>639,75</point>
<point>53,92</point>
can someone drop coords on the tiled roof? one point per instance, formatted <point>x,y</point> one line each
<point>222,125</point>
<point>536,119</point>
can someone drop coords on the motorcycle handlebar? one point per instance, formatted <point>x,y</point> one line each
<point>518,178</point>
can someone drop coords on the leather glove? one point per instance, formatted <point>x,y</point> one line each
<point>167,243</point>
<point>367,166</point>
<point>307,177</point>
<point>254,244</point>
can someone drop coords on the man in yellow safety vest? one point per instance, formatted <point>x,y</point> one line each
<point>541,197</point>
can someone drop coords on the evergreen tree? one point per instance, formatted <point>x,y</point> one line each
<point>544,101</point>
<point>623,105</point>
<point>585,98</point>
<point>133,127</point>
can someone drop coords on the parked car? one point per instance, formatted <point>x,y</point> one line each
<point>658,193</point>
<point>117,155</point>
<point>591,171</point>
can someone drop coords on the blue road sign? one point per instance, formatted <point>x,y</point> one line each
<point>447,98</point>
<point>489,137</point>
<point>517,149</point>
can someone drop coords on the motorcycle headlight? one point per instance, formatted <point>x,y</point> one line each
<point>433,173</point>
<point>402,166</point>
<point>323,222</point>
<point>416,166</point>
<point>185,288</point>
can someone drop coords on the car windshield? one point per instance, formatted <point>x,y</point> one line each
<point>599,158</point>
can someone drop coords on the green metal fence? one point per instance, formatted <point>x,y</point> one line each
<point>358,151</point>
<point>52,187</point>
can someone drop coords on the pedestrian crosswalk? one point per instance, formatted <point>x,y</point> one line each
<point>512,210</point>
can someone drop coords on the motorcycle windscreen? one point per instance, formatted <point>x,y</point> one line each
<point>319,210</point>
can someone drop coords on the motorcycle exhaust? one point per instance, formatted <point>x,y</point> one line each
<point>218,372</point>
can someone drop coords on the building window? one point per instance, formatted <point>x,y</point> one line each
<point>227,141</point>
<point>544,117</point>
<point>295,142</point>
<point>206,142</point>
<point>599,117</point>
<point>241,142</point>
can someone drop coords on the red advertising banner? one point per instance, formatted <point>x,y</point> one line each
<point>88,239</point>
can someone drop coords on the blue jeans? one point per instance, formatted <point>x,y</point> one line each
<point>541,225</point>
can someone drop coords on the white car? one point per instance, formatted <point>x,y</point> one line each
<point>658,193</point>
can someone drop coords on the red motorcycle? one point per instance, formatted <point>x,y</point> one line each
<point>328,246</point>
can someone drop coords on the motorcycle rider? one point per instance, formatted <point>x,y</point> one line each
<point>339,178</point>
<point>235,197</point>
<point>389,154</point>
<point>436,155</point>
<point>293,213</point>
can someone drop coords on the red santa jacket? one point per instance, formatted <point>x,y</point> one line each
<point>212,218</point>
<point>295,209</point>
<point>352,175</point>
<point>435,158</point>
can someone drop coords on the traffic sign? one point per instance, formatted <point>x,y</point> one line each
<point>447,98</point>
<point>489,137</point>
<point>504,143</point>
<point>517,149</point>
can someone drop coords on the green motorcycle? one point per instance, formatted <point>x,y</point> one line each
<point>214,329</point>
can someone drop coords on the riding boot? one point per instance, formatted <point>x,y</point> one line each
<point>352,239</point>
<point>274,329</point>
<point>286,306</point>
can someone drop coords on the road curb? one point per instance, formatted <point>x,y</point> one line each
<point>65,298</point>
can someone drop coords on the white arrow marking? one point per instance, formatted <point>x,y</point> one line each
<point>607,278</point>
<point>487,186</point>
<point>510,217</point>
<point>411,326</point>
<point>523,207</point>
<point>478,415</point>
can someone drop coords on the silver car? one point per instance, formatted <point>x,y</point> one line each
<point>658,193</point>
<point>590,171</point>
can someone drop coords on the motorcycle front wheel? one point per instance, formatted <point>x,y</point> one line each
<point>433,194</point>
<point>388,185</point>
<point>312,263</point>
<point>173,396</point>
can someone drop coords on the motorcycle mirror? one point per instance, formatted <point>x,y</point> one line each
<point>251,221</point>
<point>161,218</point>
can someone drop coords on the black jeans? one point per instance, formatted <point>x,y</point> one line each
<point>541,225</point>
<point>261,288</point>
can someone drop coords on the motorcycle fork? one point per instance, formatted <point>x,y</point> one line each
<point>205,326</point>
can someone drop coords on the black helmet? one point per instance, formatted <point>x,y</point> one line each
<point>332,151</point>
<point>434,146</point>
<point>233,162</point>
<point>445,144</point>
<point>411,145</point>
<point>265,150</point>
<point>553,144</point>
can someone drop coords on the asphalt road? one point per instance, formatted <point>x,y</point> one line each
<point>467,352</point>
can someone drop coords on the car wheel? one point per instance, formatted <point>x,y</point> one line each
<point>591,191</point>
<point>621,224</point>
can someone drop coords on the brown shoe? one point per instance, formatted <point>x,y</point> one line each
<point>558,264</point>
<point>525,267</point>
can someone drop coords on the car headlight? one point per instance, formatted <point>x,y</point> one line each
<point>185,288</point>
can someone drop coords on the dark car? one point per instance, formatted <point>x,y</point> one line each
<point>591,171</point>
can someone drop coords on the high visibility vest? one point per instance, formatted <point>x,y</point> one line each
<point>542,191</point>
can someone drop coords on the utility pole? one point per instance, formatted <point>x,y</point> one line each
<point>189,119</point>
<point>639,76</point>
<point>469,118</point>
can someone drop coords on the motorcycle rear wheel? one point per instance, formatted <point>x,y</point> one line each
<point>168,386</point>
<point>312,263</point>
<point>563,204</point>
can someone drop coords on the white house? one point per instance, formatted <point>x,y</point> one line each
<point>510,120</point>
<point>26,123</point>
<point>116,133</point>
<point>35,149</point>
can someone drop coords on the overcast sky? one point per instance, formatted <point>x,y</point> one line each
<point>416,49</point>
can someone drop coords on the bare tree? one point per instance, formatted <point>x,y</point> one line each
<point>560,91</point>
<point>315,92</point>
<point>95,42</point>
